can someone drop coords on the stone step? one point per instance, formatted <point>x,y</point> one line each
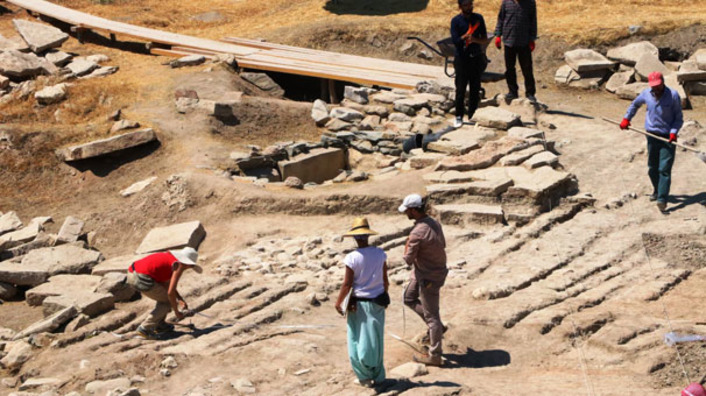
<point>466,214</point>
<point>38,265</point>
<point>544,158</point>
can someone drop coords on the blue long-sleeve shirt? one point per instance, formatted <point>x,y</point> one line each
<point>664,116</point>
<point>459,27</point>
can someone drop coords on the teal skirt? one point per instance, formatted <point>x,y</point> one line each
<point>366,329</point>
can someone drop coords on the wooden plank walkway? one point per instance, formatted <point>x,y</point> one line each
<point>254,54</point>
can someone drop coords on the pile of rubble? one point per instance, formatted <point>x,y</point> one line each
<point>624,70</point>
<point>32,60</point>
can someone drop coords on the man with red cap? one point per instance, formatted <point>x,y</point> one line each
<point>664,119</point>
<point>694,389</point>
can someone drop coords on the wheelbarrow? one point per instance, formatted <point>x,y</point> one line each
<point>446,50</point>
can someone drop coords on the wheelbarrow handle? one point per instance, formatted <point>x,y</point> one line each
<point>426,45</point>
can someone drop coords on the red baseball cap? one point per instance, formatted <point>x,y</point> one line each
<point>655,79</point>
<point>694,389</point>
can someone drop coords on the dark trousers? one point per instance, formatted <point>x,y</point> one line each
<point>468,73</point>
<point>422,297</point>
<point>660,158</point>
<point>524,55</point>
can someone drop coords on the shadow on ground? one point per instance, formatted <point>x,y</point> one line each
<point>683,201</point>
<point>478,359</point>
<point>102,166</point>
<point>374,7</point>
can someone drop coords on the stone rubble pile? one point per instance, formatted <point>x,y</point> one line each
<point>32,63</point>
<point>65,275</point>
<point>624,70</point>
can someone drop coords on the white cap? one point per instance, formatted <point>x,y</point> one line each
<point>411,201</point>
<point>187,256</point>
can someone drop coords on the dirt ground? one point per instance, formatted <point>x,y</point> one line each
<point>582,309</point>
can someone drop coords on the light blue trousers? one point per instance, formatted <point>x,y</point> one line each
<point>366,347</point>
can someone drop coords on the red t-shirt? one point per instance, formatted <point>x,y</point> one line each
<point>157,266</point>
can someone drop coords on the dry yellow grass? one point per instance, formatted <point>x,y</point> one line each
<point>577,21</point>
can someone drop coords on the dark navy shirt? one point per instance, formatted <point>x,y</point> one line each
<point>459,27</point>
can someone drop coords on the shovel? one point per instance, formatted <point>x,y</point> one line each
<point>699,154</point>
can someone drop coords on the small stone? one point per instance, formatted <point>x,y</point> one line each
<point>302,372</point>
<point>409,370</point>
<point>190,60</point>
<point>294,182</point>
<point>169,363</point>
<point>165,372</point>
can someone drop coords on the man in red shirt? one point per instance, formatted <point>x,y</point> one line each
<point>157,276</point>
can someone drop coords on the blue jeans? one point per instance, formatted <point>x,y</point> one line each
<point>660,158</point>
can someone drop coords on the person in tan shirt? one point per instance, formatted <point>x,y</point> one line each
<point>425,252</point>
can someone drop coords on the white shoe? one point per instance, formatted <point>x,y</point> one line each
<point>458,122</point>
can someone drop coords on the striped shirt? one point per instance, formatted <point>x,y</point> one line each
<point>517,22</point>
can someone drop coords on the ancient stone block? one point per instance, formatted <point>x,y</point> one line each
<point>39,37</point>
<point>584,60</point>
<point>172,237</point>
<point>317,166</point>
<point>107,146</point>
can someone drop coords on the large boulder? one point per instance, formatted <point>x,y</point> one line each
<point>647,64</point>
<point>70,230</point>
<point>618,80</point>
<point>50,95</point>
<point>9,222</point>
<point>175,236</point>
<point>81,67</point>
<point>15,64</point>
<point>630,91</point>
<point>39,37</point>
<point>106,146</point>
<point>584,60</point>
<point>690,71</point>
<point>116,264</point>
<point>17,238</point>
<point>13,43</point>
<point>85,301</point>
<point>61,284</point>
<point>495,117</point>
<point>38,265</point>
<point>346,114</point>
<point>631,53</point>
<point>320,113</point>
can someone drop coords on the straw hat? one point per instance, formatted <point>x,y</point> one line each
<point>360,227</point>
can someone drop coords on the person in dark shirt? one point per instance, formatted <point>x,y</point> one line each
<point>517,25</point>
<point>470,37</point>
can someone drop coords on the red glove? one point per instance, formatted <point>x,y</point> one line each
<point>625,123</point>
<point>672,137</point>
<point>498,42</point>
<point>531,46</point>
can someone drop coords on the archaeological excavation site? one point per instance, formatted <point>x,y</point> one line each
<point>352,197</point>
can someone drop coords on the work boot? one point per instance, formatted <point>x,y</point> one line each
<point>366,383</point>
<point>509,97</point>
<point>428,360</point>
<point>653,197</point>
<point>146,334</point>
<point>532,98</point>
<point>662,206</point>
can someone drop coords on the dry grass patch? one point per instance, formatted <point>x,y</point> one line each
<point>577,21</point>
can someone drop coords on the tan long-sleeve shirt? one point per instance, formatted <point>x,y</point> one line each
<point>425,250</point>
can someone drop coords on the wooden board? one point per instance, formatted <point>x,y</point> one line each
<point>255,54</point>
